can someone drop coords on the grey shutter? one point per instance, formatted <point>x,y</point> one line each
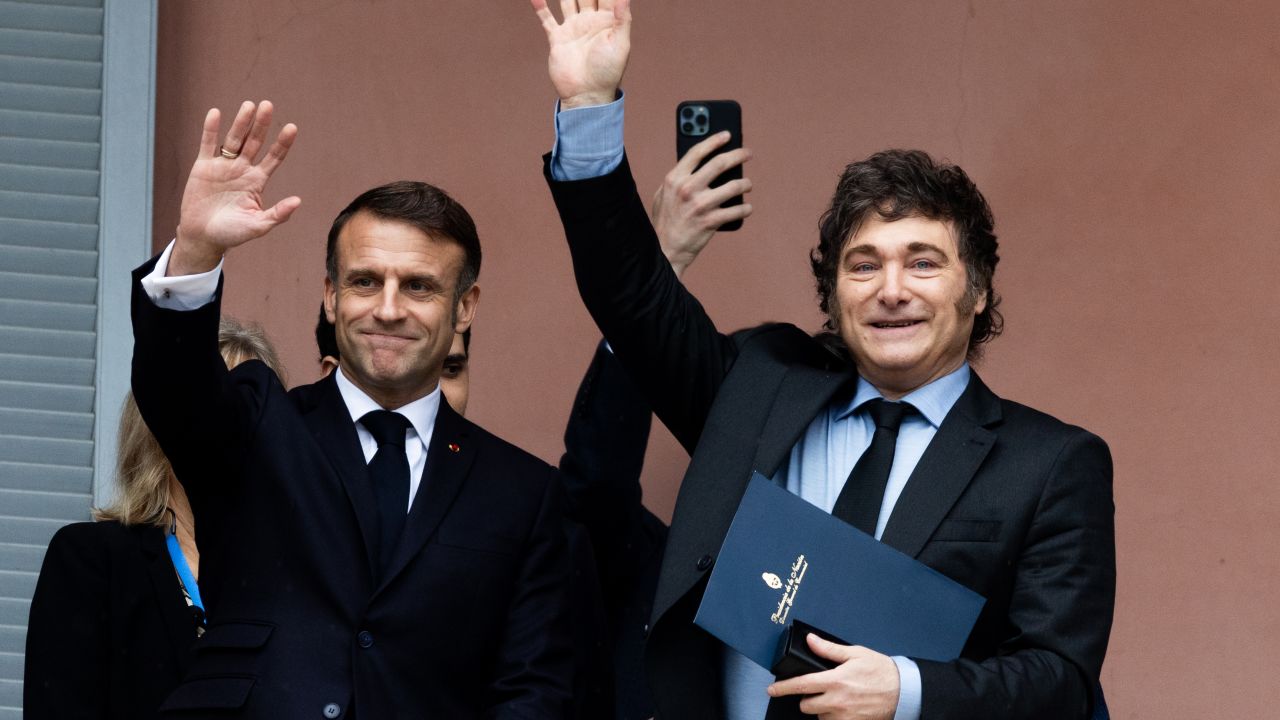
<point>51,153</point>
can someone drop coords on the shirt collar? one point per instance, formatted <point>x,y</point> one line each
<point>933,401</point>
<point>421,413</point>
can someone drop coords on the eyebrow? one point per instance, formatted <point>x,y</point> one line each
<point>355,272</point>
<point>914,247</point>
<point>926,247</point>
<point>428,278</point>
<point>864,248</point>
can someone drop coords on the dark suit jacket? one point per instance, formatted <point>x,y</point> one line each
<point>109,633</point>
<point>470,620</point>
<point>1006,500</point>
<point>593,666</point>
<point>604,443</point>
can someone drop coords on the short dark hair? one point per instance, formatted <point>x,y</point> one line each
<point>423,206</point>
<point>326,336</point>
<point>897,184</point>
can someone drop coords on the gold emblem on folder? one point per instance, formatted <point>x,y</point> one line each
<point>798,569</point>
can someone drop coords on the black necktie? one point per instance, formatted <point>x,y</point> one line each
<point>860,499</point>
<point>389,473</point>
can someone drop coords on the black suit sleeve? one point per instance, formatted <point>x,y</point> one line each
<point>662,335</point>
<point>66,672</point>
<point>185,395</point>
<point>1059,616</point>
<point>605,441</point>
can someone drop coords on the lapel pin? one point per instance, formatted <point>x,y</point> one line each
<point>453,447</point>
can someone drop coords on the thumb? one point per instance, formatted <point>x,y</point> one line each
<point>282,210</point>
<point>831,651</point>
<point>265,220</point>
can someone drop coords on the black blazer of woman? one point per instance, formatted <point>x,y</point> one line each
<point>110,630</point>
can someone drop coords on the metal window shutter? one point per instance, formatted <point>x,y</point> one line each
<point>50,128</point>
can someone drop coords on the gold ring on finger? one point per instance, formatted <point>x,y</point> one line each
<point>224,152</point>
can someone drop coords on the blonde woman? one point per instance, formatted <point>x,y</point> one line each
<point>117,605</point>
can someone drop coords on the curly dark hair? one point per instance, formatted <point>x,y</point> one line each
<point>896,184</point>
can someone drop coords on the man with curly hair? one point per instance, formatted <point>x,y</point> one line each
<point>880,420</point>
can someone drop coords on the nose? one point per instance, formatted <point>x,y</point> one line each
<point>389,309</point>
<point>893,289</point>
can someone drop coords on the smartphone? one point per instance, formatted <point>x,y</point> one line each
<point>698,119</point>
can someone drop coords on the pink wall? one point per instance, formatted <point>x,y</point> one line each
<point>1131,152</point>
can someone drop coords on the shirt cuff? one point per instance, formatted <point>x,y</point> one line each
<point>908,689</point>
<point>184,292</point>
<point>588,140</point>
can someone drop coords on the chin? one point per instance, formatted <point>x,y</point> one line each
<point>892,360</point>
<point>890,370</point>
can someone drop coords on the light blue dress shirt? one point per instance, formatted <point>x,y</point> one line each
<point>816,471</point>
<point>588,140</point>
<point>589,143</point>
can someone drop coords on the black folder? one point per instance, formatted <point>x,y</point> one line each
<point>784,559</point>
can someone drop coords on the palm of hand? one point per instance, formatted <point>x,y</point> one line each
<point>223,202</point>
<point>588,53</point>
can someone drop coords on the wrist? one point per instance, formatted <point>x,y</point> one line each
<point>679,265</point>
<point>192,257</point>
<point>588,99</point>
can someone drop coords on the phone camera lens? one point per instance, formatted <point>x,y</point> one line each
<point>686,113</point>
<point>687,127</point>
<point>702,119</point>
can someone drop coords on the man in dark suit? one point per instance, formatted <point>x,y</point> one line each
<point>366,552</point>
<point>1006,500</point>
<point>593,696</point>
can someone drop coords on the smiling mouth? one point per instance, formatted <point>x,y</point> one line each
<point>386,338</point>
<point>896,324</point>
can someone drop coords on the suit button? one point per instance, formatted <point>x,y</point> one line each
<point>644,633</point>
<point>332,710</point>
<point>705,561</point>
<point>365,638</point>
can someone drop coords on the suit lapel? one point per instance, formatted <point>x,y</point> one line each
<point>179,624</point>
<point>449,458</point>
<point>805,390</point>
<point>945,470</point>
<point>330,424</point>
<point>765,404</point>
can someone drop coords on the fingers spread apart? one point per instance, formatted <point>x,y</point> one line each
<point>257,134</point>
<point>234,142</point>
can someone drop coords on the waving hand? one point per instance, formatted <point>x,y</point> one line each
<point>588,51</point>
<point>222,205</point>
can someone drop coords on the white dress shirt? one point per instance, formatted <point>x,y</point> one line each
<point>421,414</point>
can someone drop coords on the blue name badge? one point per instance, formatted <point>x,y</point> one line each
<point>785,559</point>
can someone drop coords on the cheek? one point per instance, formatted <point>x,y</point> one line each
<point>964,308</point>
<point>847,301</point>
<point>349,306</point>
<point>434,317</point>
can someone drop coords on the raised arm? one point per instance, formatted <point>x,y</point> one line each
<point>179,378</point>
<point>661,334</point>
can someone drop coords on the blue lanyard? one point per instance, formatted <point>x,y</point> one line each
<point>184,570</point>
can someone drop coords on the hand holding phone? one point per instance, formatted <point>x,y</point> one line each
<point>698,120</point>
